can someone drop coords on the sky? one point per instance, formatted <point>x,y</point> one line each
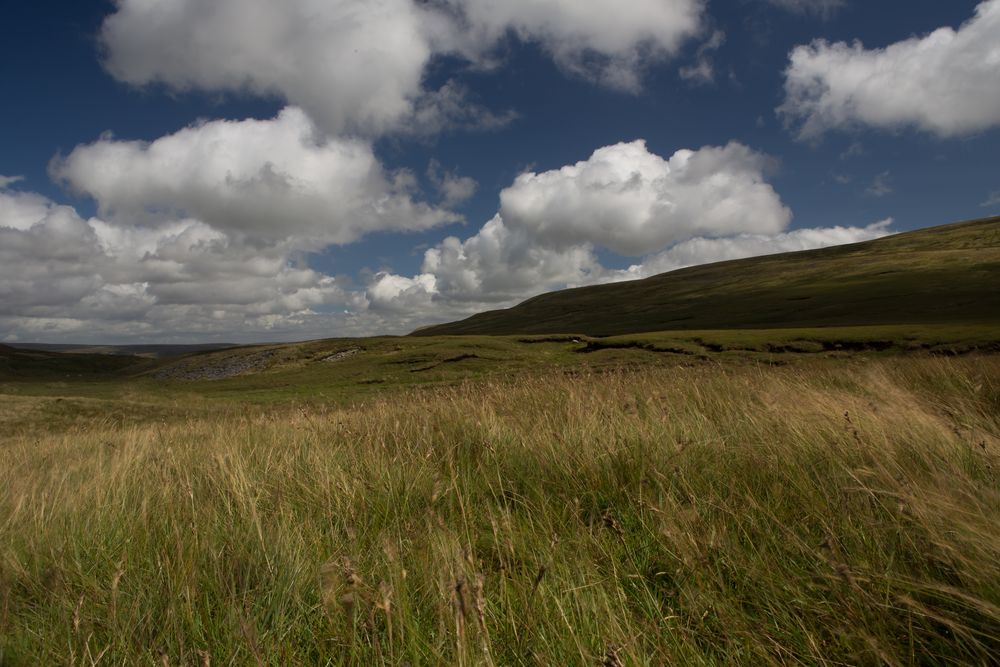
<point>185,171</point>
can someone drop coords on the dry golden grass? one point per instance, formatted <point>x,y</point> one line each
<point>829,513</point>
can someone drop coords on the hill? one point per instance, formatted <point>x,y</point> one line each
<point>150,351</point>
<point>40,364</point>
<point>940,275</point>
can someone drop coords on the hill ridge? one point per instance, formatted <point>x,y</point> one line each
<point>946,273</point>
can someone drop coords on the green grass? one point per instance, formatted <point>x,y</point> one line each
<point>832,510</point>
<point>52,392</point>
<point>694,495</point>
<point>944,275</point>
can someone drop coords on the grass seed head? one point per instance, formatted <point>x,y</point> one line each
<point>611,657</point>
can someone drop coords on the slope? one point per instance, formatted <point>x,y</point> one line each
<point>40,364</point>
<point>947,274</point>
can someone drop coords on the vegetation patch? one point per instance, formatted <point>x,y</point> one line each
<point>825,512</point>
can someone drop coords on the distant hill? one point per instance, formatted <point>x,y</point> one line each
<point>40,364</point>
<point>947,274</point>
<point>153,351</point>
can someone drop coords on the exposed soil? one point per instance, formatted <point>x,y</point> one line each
<point>450,360</point>
<point>343,354</point>
<point>595,346</point>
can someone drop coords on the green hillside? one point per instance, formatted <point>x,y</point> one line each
<point>947,274</point>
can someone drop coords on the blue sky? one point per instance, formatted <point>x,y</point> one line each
<point>465,96</point>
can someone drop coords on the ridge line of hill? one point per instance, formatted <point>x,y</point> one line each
<point>943,274</point>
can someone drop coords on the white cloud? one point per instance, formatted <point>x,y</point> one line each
<point>946,83</point>
<point>201,234</point>
<point>623,198</point>
<point>354,65</point>
<point>399,294</point>
<point>358,65</point>
<point>824,8</point>
<point>273,179</point>
<point>454,189</point>
<point>632,201</point>
<point>451,107</point>
<point>62,275</point>
<point>47,262</point>
<point>992,200</point>
<point>495,268</point>
<point>7,181</point>
<point>501,263</point>
<point>607,42</point>
<point>20,210</point>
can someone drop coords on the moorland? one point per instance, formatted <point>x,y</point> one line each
<point>784,460</point>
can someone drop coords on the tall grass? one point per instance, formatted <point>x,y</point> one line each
<point>828,514</point>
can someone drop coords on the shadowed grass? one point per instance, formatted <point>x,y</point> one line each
<point>835,513</point>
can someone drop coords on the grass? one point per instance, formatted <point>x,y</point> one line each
<point>48,392</point>
<point>943,275</point>
<point>623,506</point>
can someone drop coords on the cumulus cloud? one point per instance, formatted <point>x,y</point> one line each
<point>606,42</point>
<point>48,255</point>
<point>203,233</point>
<point>623,198</point>
<point>272,179</point>
<point>499,264</point>
<point>632,201</point>
<point>63,275</point>
<point>7,181</point>
<point>495,268</point>
<point>452,107</point>
<point>330,57</point>
<point>695,207</point>
<point>20,210</point>
<point>946,83</point>
<point>454,189</point>
<point>992,200</point>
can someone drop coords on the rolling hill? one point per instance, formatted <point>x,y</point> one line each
<point>940,275</point>
<point>150,351</point>
<point>42,364</point>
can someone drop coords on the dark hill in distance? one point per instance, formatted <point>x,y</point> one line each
<point>151,351</point>
<point>947,274</point>
<point>42,364</point>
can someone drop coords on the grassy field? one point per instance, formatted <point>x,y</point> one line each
<point>697,498</point>
<point>940,275</point>
<point>48,392</point>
